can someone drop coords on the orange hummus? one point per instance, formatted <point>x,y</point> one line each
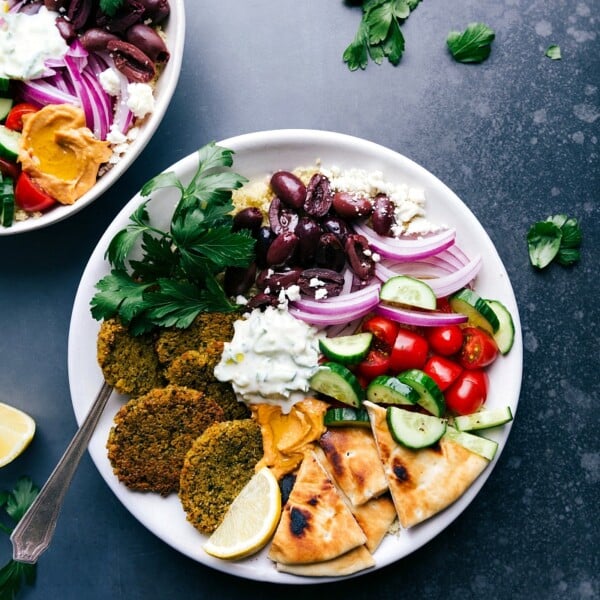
<point>286,436</point>
<point>60,153</point>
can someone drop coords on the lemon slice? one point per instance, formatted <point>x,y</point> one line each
<point>251,519</point>
<point>16,431</point>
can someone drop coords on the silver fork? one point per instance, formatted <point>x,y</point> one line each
<point>34,531</point>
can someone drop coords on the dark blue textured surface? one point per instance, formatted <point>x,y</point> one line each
<point>515,137</point>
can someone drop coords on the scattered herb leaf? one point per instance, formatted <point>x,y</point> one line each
<point>557,238</point>
<point>110,7</point>
<point>379,35</point>
<point>175,274</point>
<point>473,45</point>
<point>553,52</point>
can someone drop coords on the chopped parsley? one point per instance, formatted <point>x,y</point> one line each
<point>166,278</point>
<point>557,238</point>
<point>473,45</point>
<point>379,35</point>
<point>110,7</point>
<point>553,52</point>
<point>15,504</point>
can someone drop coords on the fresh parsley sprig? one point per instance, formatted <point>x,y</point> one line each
<point>473,45</point>
<point>557,238</point>
<point>176,274</point>
<point>15,504</point>
<point>110,7</point>
<point>379,35</point>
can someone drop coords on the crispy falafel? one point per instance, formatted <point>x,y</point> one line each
<point>152,434</point>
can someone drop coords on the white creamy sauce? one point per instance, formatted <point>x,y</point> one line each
<point>26,42</point>
<point>271,358</point>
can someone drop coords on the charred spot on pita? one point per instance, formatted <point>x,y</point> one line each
<point>299,521</point>
<point>400,471</point>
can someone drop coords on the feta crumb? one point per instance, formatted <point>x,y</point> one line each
<point>293,292</point>
<point>321,293</point>
<point>110,82</point>
<point>140,99</point>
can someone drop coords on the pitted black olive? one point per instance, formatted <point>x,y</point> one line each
<point>330,252</point>
<point>351,206</point>
<point>382,217</point>
<point>238,280</point>
<point>281,218</point>
<point>313,280</point>
<point>289,189</point>
<point>359,256</point>
<point>318,196</point>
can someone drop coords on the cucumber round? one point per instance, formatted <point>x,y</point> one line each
<point>5,106</point>
<point>505,334</point>
<point>477,310</point>
<point>483,419</point>
<point>337,382</point>
<point>474,443</point>
<point>348,415</point>
<point>346,349</point>
<point>414,430</point>
<point>7,209</point>
<point>9,143</point>
<point>386,389</point>
<point>431,397</point>
<point>408,291</point>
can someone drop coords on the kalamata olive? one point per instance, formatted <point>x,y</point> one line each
<point>308,232</point>
<point>337,226</point>
<point>382,217</point>
<point>261,301</point>
<point>351,206</point>
<point>282,248</point>
<point>264,239</point>
<point>79,12</point>
<point>156,10</point>
<point>66,29</point>
<point>281,218</point>
<point>330,253</point>
<point>131,61</point>
<point>248,218</point>
<point>275,281</point>
<point>318,196</point>
<point>97,39</point>
<point>148,41</point>
<point>54,5</point>
<point>238,280</point>
<point>313,280</point>
<point>289,189</point>
<point>359,256</point>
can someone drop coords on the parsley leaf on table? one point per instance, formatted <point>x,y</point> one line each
<point>379,35</point>
<point>557,238</point>
<point>166,278</point>
<point>472,45</point>
<point>553,52</point>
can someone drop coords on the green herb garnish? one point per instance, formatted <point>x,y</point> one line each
<point>15,504</point>
<point>110,7</point>
<point>473,45</point>
<point>553,52</point>
<point>557,238</point>
<point>175,274</point>
<point>379,35</point>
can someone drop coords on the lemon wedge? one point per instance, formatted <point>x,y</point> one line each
<point>251,519</point>
<point>16,431</point>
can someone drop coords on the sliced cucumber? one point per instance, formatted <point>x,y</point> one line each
<point>7,200</point>
<point>9,143</point>
<point>414,430</point>
<point>346,349</point>
<point>474,443</point>
<point>491,417</point>
<point>431,397</point>
<point>4,86</point>
<point>386,389</point>
<point>479,313</point>
<point>336,381</point>
<point>408,291</point>
<point>505,334</point>
<point>340,417</point>
<point>5,106</point>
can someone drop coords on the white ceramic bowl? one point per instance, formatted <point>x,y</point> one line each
<point>174,28</point>
<point>257,154</point>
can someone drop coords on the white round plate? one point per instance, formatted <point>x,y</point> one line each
<point>257,154</point>
<point>174,29</point>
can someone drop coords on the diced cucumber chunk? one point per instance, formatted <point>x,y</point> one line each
<point>505,334</point>
<point>348,415</point>
<point>479,313</point>
<point>7,210</point>
<point>431,397</point>
<point>346,349</point>
<point>337,382</point>
<point>9,143</point>
<point>414,430</point>
<point>5,106</point>
<point>408,291</point>
<point>474,443</point>
<point>484,419</point>
<point>386,389</point>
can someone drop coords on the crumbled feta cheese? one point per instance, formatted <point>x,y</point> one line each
<point>110,81</point>
<point>293,292</point>
<point>321,293</point>
<point>140,99</point>
<point>316,282</point>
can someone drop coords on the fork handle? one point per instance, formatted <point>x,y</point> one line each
<point>35,529</point>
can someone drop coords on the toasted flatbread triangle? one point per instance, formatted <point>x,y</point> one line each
<point>355,465</point>
<point>423,482</point>
<point>346,564</point>
<point>316,524</point>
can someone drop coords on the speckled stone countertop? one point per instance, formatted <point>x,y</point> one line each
<point>515,137</point>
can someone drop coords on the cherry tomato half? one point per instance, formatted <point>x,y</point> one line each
<point>374,364</point>
<point>30,197</point>
<point>14,119</point>
<point>442,370</point>
<point>384,332</point>
<point>445,340</point>
<point>479,349</point>
<point>409,351</point>
<point>468,393</point>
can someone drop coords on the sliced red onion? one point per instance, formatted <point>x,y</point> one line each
<point>348,303</point>
<point>101,105</point>
<point>419,318</point>
<point>81,90</point>
<point>40,92</point>
<point>336,318</point>
<point>448,284</point>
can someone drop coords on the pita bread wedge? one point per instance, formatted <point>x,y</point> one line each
<point>316,524</point>
<point>352,562</point>
<point>355,464</point>
<point>423,482</point>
